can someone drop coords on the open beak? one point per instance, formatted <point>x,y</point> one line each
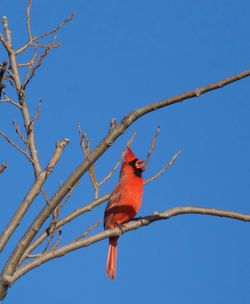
<point>139,164</point>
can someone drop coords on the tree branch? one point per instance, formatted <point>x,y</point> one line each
<point>31,195</point>
<point>132,225</point>
<point>10,100</point>
<point>21,97</point>
<point>158,174</point>
<point>11,142</point>
<point>3,167</point>
<point>19,132</point>
<point>38,62</point>
<point>65,221</point>
<point>112,135</point>
<point>28,19</point>
<point>32,40</point>
<point>153,143</point>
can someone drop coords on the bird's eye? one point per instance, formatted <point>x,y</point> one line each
<point>133,162</point>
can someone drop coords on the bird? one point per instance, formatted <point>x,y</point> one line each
<point>124,203</point>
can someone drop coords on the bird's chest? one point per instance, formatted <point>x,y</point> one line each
<point>132,193</point>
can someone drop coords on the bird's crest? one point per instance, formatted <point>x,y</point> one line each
<point>129,156</point>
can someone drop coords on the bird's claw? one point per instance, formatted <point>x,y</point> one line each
<point>121,228</point>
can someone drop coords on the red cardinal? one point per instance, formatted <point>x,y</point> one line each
<point>125,202</point>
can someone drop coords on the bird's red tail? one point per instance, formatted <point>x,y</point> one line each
<point>111,260</point>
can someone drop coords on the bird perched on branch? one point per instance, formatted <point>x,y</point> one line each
<point>124,203</point>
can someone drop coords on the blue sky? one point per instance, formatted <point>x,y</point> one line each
<point>117,56</point>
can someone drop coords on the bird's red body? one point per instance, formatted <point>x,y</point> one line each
<point>124,203</point>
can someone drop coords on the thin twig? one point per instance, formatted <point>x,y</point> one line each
<point>39,37</point>
<point>169,164</point>
<point>23,65</point>
<point>10,74</point>
<point>9,100</point>
<point>85,144</point>
<point>38,61</point>
<point>9,78</point>
<point>56,245</point>
<point>45,195</point>
<point>15,145</point>
<point>131,140</point>
<point>4,42</point>
<point>28,19</point>
<point>32,122</point>
<point>57,28</point>
<point>7,41</point>
<point>86,232</point>
<point>38,111</point>
<point>109,175</point>
<point>30,65</point>
<point>51,229</point>
<point>153,143</point>
<point>19,132</point>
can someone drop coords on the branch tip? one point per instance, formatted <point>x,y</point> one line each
<point>3,167</point>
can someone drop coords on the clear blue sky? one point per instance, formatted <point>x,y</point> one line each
<point>119,55</point>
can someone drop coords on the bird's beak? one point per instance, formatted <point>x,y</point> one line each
<point>139,164</point>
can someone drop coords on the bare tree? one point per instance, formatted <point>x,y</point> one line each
<point>23,259</point>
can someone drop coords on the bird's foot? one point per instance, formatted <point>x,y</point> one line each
<point>121,228</point>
